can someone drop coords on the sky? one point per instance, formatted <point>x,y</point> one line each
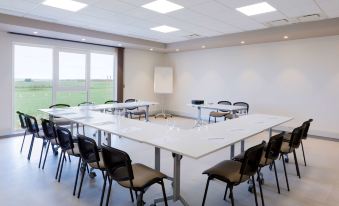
<point>37,63</point>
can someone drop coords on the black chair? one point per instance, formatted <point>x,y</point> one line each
<point>23,126</point>
<point>33,128</point>
<point>90,155</point>
<point>48,127</point>
<point>244,104</point>
<point>289,147</point>
<point>68,146</point>
<point>130,111</point>
<point>306,125</point>
<point>220,113</point>
<point>270,154</point>
<point>137,177</point>
<point>234,172</point>
<point>58,120</point>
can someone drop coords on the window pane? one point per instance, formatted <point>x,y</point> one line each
<point>72,69</point>
<point>70,97</point>
<point>102,78</point>
<point>33,69</point>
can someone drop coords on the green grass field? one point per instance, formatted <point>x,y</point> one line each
<point>34,95</point>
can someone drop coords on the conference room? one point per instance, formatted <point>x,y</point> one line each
<point>169,102</point>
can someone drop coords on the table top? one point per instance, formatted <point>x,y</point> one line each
<point>194,143</point>
<point>218,106</point>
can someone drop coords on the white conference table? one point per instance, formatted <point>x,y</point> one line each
<point>213,106</point>
<point>194,143</point>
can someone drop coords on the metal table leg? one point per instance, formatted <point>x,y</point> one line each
<point>242,147</point>
<point>109,139</point>
<point>147,113</point>
<point>157,159</point>
<point>199,119</point>
<point>232,151</point>
<point>270,132</point>
<point>99,137</point>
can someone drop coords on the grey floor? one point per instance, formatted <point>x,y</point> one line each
<point>22,183</point>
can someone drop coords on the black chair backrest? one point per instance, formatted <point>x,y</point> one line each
<point>225,103</point>
<point>48,127</point>
<point>85,103</point>
<point>242,104</point>
<point>65,138</point>
<point>59,105</point>
<point>32,124</point>
<point>273,146</point>
<point>88,150</point>
<point>22,120</point>
<point>111,102</point>
<point>296,138</point>
<point>306,126</point>
<point>117,163</point>
<point>251,160</point>
<point>131,100</point>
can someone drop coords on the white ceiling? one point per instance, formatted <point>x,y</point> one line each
<point>206,18</point>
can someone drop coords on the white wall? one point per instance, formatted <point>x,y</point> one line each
<point>139,74</point>
<point>297,78</point>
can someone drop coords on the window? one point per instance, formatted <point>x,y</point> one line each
<point>102,85</point>
<point>78,76</point>
<point>33,71</point>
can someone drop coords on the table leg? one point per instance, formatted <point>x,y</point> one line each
<point>242,147</point>
<point>232,151</point>
<point>157,159</point>
<point>109,139</point>
<point>199,119</point>
<point>99,137</point>
<point>270,132</point>
<point>147,111</point>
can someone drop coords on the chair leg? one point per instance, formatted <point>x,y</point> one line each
<point>231,195</point>
<point>82,179</point>
<point>209,119</point>
<point>254,191</point>
<point>261,193</point>
<point>42,151</point>
<point>206,189</point>
<point>140,199</point>
<point>276,177</point>
<point>103,189</point>
<point>296,163</point>
<point>76,177</point>
<point>69,158</point>
<point>164,192</point>
<point>288,186</point>
<point>109,191</point>
<point>62,165</point>
<point>43,165</point>
<point>57,172</point>
<point>225,192</point>
<point>23,141</point>
<point>215,120</point>
<point>31,147</point>
<point>131,193</point>
<point>302,148</point>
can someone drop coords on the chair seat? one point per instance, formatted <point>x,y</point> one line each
<point>143,176</point>
<point>139,112</point>
<point>228,170</point>
<point>285,147</point>
<point>61,121</point>
<point>75,151</point>
<point>101,163</point>
<point>218,114</point>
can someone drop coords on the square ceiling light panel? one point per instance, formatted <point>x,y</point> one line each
<point>68,5</point>
<point>255,9</point>
<point>162,6</point>
<point>164,29</point>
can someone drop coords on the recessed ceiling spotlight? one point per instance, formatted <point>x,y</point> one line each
<point>151,49</point>
<point>203,46</point>
<point>285,37</point>
<point>35,32</point>
<point>165,29</point>
<point>162,6</point>
<point>254,9</point>
<point>83,39</point>
<point>242,42</point>
<point>177,50</point>
<point>68,5</point>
